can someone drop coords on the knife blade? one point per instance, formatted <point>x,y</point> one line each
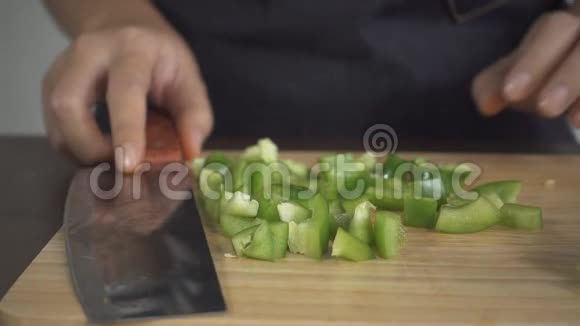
<point>135,244</point>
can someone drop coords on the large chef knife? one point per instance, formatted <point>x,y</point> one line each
<point>135,243</point>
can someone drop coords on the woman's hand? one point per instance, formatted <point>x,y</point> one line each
<point>126,64</point>
<point>542,75</point>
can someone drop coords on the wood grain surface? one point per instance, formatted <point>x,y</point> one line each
<point>497,276</point>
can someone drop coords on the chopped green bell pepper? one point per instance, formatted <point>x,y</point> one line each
<point>242,239</point>
<point>342,177</point>
<point>393,194</point>
<point>420,212</point>
<point>262,244</point>
<point>218,158</point>
<point>339,220</point>
<point>346,246</point>
<point>238,168</point>
<point>392,163</point>
<point>522,217</point>
<point>239,204</point>
<point>196,165</point>
<point>232,225</point>
<point>280,237</point>
<point>295,239</point>
<point>311,236</point>
<point>428,182</point>
<point>289,211</point>
<point>369,161</point>
<point>493,198</point>
<point>265,151</point>
<point>211,186</point>
<point>361,226</point>
<point>389,234</point>
<point>471,217</point>
<point>349,205</point>
<point>508,191</point>
<point>334,209</point>
<point>297,168</point>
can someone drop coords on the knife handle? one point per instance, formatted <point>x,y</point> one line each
<point>162,140</point>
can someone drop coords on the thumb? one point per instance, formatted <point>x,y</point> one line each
<point>191,111</point>
<point>487,88</point>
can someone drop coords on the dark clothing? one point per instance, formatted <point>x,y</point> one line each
<point>331,68</point>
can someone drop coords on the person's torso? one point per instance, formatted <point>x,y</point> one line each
<point>328,67</point>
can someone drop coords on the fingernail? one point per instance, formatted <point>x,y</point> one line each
<point>490,106</point>
<point>555,101</point>
<point>516,85</point>
<point>124,158</point>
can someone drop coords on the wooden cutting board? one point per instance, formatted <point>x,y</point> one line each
<point>497,276</point>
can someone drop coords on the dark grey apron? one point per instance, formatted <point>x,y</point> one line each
<point>328,69</point>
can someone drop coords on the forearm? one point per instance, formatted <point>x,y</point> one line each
<point>79,16</point>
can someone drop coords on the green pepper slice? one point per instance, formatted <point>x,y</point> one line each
<point>311,236</point>
<point>335,210</point>
<point>242,239</point>
<point>347,246</point>
<point>507,190</point>
<point>470,217</point>
<point>361,226</point>
<point>522,217</point>
<point>392,162</point>
<point>232,225</point>
<point>262,245</point>
<point>280,237</point>
<point>388,234</point>
<point>420,212</point>
<point>349,205</point>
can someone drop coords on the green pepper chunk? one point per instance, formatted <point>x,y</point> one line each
<point>211,192</point>
<point>196,166</point>
<point>339,220</point>
<point>267,202</point>
<point>393,194</point>
<point>262,245</point>
<point>327,186</point>
<point>296,168</point>
<point>280,238</point>
<point>471,217</point>
<point>238,204</point>
<point>218,158</point>
<point>508,190</point>
<point>349,205</point>
<point>238,168</point>
<point>361,226</point>
<point>264,151</point>
<point>493,198</point>
<point>522,217</point>
<point>232,225</point>
<point>290,211</point>
<point>311,236</point>
<point>388,234</point>
<point>337,180</point>
<point>392,162</point>
<point>334,209</point>
<point>420,212</point>
<point>428,182</point>
<point>242,239</point>
<point>349,247</point>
